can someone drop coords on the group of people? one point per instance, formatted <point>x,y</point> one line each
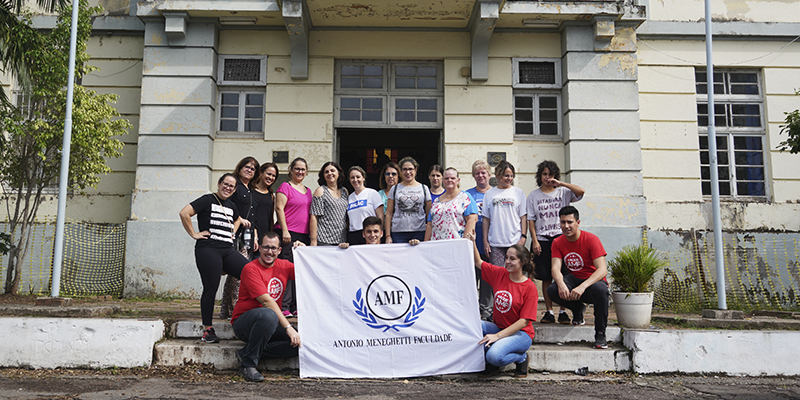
<point>248,232</point>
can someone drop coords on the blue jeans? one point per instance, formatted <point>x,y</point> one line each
<point>511,349</point>
<point>405,237</point>
<point>260,329</point>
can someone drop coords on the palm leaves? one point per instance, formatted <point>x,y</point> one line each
<point>633,268</point>
<point>15,34</point>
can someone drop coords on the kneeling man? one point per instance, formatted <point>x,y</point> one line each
<point>585,257</point>
<point>373,232</point>
<point>257,318</point>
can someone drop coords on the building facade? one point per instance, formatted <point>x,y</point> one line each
<point>613,91</point>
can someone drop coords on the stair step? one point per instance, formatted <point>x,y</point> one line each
<point>558,333</point>
<point>545,333</point>
<point>555,358</point>
<point>180,352</point>
<point>194,330</point>
<point>543,357</point>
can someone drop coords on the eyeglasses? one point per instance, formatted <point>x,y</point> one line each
<point>249,167</point>
<point>228,185</point>
<point>299,169</point>
<point>270,249</point>
<point>390,173</point>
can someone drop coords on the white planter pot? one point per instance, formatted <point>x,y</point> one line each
<point>633,309</point>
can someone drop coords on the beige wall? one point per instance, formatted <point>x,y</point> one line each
<point>725,10</point>
<point>670,154</point>
<point>477,115</point>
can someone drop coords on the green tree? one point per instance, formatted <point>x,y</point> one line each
<point>792,130</point>
<point>30,159</point>
<point>12,46</point>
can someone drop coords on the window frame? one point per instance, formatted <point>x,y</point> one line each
<point>536,135</point>
<point>730,133</point>
<point>242,92</point>
<point>516,84</point>
<point>221,70</point>
<point>389,93</point>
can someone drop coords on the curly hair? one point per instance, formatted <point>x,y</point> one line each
<point>555,173</point>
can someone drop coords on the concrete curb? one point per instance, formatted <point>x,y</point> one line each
<point>749,352</point>
<point>60,312</point>
<point>78,342</point>
<point>750,324</point>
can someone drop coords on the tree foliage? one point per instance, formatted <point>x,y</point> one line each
<point>30,160</point>
<point>12,45</point>
<point>792,130</point>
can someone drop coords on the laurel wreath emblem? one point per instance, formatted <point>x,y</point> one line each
<point>411,318</point>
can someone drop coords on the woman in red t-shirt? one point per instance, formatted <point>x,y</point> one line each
<point>509,337</point>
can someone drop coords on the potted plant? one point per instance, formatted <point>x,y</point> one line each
<point>632,271</point>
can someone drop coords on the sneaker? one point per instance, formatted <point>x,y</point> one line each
<point>600,341</point>
<point>489,370</point>
<point>250,374</point>
<point>548,318</point>
<point>287,313</point>
<point>563,318</point>
<point>522,369</point>
<point>209,336</point>
<point>295,314</point>
<point>577,317</point>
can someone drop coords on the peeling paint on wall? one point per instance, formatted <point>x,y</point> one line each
<point>116,7</point>
<point>389,11</point>
<point>624,63</point>
<point>157,39</point>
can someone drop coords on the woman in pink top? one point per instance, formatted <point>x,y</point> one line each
<point>293,207</point>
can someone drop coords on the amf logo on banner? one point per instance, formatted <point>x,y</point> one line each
<point>388,311</point>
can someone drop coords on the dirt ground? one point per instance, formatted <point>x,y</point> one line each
<point>194,383</point>
<point>205,382</point>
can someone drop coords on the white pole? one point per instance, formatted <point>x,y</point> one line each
<point>712,165</point>
<point>58,255</point>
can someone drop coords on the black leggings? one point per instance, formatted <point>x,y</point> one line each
<point>211,261</point>
<point>289,295</point>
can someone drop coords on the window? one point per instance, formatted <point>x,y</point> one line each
<point>241,94</point>
<point>537,73</point>
<point>241,111</point>
<point>537,114</point>
<point>242,70</point>
<point>740,132</point>
<point>390,93</point>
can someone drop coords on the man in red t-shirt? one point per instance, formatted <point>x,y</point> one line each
<point>584,256</point>
<point>257,318</point>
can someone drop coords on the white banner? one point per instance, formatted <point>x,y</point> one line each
<point>388,311</point>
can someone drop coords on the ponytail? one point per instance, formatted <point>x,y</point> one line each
<point>525,257</point>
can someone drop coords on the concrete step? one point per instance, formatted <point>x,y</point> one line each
<point>558,333</point>
<point>568,358</point>
<point>543,357</point>
<point>194,329</point>
<point>180,352</point>
<point>545,333</point>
